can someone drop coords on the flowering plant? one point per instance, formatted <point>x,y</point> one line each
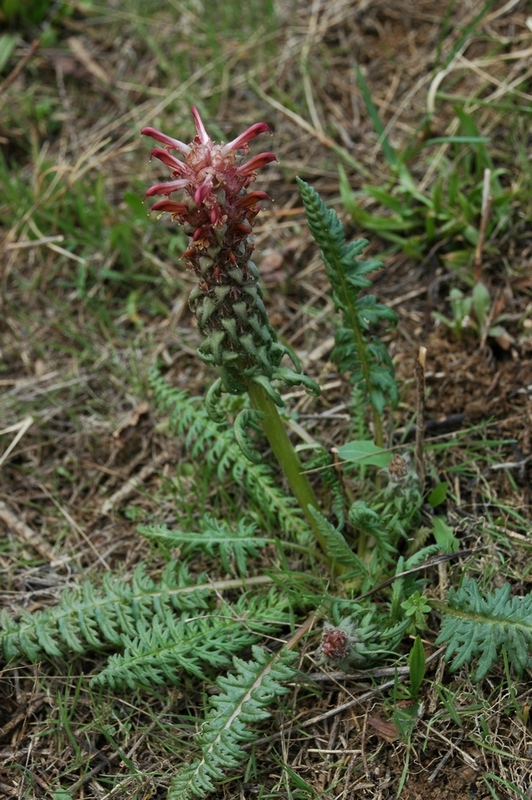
<point>218,213</point>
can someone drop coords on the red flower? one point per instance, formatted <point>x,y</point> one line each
<point>212,178</point>
<point>216,211</point>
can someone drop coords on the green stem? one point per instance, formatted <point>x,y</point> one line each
<point>286,455</point>
<point>364,362</point>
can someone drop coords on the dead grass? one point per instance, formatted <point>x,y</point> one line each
<point>92,294</point>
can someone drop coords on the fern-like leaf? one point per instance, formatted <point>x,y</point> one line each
<point>321,459</point>
<point>92,618</point>
<point>356,351</point>
<point>243,700</point>
<point>339,550</point>
<point>475,626</point>
<point>168,645</point>
<point>385,528</point>
<point>216,445</point>
<point>216,539</point>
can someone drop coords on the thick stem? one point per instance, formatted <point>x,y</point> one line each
<point>286,455</point>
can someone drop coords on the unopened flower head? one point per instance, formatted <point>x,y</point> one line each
<point>337,644</point>
<point>334,644</point>
<point>216,210</point>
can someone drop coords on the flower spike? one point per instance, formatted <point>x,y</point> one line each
<point>217,212</point>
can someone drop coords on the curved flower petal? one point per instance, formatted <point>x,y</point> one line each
<point>200,127</point>
<point>250,133</point>
<point>169,160</point>
<point>174,144</point>
<point>173,208</point>
<point>203,191</point>
<point>217,216</point>
<point>249,167</point>
<point>167,188</point>
<point>251,198</point>
<point>202,235</point>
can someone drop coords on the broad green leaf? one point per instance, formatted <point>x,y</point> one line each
<point>444,535</point>
<point>387,199</point>
<point>377,223</point>
<point>438,494</point>
<point>365,452</point>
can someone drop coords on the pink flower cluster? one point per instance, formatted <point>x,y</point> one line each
<point>217,212</point>
<point>213,181</point>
